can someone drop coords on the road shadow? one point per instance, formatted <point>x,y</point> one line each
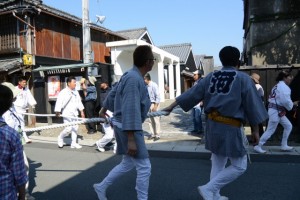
<point>33,166</point>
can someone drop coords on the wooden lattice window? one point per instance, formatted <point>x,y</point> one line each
<point>8,33</point>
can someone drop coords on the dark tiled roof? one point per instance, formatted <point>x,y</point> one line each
<point>133,33</point>
<point>13,64</point>
<point>3,2</point>
<point>180,50</point>
<point>198,60</point>
<point>8,5</point>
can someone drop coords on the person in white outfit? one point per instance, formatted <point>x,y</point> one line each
<point>108,133</point>
<point>279,102</point>
<point>68,103</point>
<point>23,100</point>
<point>13,120</point>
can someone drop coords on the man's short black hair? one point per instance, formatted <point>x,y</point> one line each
<point>6,99</point>
<point>22,78</point>
<point>141,55</point>
<point>283,74</point>
<point>70,78</point>
<point>230,56</point>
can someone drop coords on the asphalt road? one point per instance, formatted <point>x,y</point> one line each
<point>68,174</point>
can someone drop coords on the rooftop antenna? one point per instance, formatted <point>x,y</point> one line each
<point>100,18</point>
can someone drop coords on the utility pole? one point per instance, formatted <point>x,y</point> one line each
<point>86,37</point>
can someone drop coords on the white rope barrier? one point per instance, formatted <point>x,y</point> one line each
<point>83,121</point>
<point>51,115</point>
<point>80,120</point>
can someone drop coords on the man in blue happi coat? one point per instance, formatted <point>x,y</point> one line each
<point>229,98</point>
<point>131,105</point>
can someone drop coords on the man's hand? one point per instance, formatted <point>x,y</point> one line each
<point>57,114</point>
<point>103,115</point>
<point>153,107</point>
<point>132,149</point>
<point>169,108</point>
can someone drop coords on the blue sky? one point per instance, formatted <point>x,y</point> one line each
<point>208,25</point>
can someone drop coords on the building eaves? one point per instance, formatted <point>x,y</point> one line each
<point>133,33</point>
<point>63,67</point>
<point>60,13</point>
<point>4,2</point>
<point>9,6</point>
<point>10,65</point>
<point>180,50</point>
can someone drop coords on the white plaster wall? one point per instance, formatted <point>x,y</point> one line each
<point>121,55</point>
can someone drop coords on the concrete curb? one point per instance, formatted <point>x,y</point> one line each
<point>191,149</point>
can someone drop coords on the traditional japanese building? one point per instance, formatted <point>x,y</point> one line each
<point>38,38</point>
<point>165,72</point>
<point>187,62</point>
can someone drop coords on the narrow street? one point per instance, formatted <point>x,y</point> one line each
<point>61,174</point>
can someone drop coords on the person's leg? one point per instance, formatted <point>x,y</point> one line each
<point>108,136</point>
<point>155,122</point>
<point>156,125</point>
<point>64,133</point>
<point>123,167</point>
<point>22,123</point>
<point>152,126</point>
<point>284,121</point>
<point>218,163</point>
<point>143,168</point>
<point>227,175</point>
<point>89,110</point>
<point>198,119</point>
<point>193,113</point>
<point>151,122</point>
<point>74,131</point>
<point>272,125</point>
<point>93,107</point>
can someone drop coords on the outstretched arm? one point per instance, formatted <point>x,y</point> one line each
<point>170,107</point>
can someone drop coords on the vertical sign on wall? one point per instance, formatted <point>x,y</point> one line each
<point>53,86</point>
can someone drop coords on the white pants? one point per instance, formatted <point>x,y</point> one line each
<point>70,129</point>
<point>143,168</point>
<point>274,119</point>
<point>154,123</point>
<point>108,135</point>
<point>22,121</point>
<point>221,176</point>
